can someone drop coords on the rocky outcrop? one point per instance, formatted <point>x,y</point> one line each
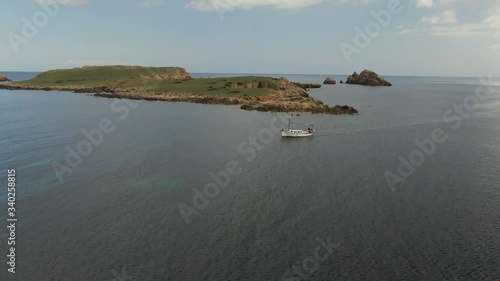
<point>329,81</point>
<point>306,86</point>
<point>367,78</point>
<point>4,79</point>
<point>341,82</point>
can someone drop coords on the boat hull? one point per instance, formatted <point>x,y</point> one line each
<point>296,134</point>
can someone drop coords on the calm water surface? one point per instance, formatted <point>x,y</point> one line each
<point>116,215</point>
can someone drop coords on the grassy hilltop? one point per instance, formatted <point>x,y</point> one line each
<point>151,79</point>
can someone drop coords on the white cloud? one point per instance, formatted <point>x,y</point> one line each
<point>449,16</point>
<point>461,30</point>
<point>495,47</point>
<point>151,3</point>
<point>228,5</point>
<point>216,5</point>
<point>434,19</point>
<point>494,23</point>
<point>425,3</point>
<point>209,5</point>
<point>478,18</point>
<point>446,17</point>
<point>63,2</point>
<point>411,31</point>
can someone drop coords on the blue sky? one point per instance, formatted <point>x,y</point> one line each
<point>427,37</point>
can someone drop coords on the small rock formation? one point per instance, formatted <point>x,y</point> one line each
<point>341,82</point>
<point>4,79</point>
<point>338,110</point>
<point>330,81</point>
<point>247,107</point>
<point>367,78</point>
<point>307,86</point>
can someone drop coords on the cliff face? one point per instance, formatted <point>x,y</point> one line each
<point>4,79</point>
<point>367,78</point>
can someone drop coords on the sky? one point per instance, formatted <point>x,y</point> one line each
<point>391,37</point>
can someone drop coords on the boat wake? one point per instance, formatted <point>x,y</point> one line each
<point>343,131</point>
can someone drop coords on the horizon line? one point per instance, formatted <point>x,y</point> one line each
<point>273,74</point>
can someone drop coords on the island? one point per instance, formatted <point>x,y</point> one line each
<point>367,78</point>
<point>4,79</point>
<point>329,81</point>
<point>175,84</point>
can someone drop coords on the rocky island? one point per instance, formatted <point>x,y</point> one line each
<point>176,84</point>
<point>329,81</point>
<point>367,78</point>
<point>4,79</point>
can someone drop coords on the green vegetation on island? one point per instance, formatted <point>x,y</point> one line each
<point>176,84</point>
<point>149,79</point>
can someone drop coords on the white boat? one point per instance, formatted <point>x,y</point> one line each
<point>295,133</point>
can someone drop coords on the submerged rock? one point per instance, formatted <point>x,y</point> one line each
<point>330,81</point>
<point>247,107</point>
<point>307,86</point>
<point>367,78</point>
<point>341,82</point>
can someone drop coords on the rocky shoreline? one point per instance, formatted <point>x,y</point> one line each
<point>4,79</point>
<point>336,110</point>
<point>307,86</point>
<point>76,89</point>
<point>285,96</point>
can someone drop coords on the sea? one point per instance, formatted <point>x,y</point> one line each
<point>115,190</point>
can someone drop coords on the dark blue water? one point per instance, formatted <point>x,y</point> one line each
<point>116,216</point>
